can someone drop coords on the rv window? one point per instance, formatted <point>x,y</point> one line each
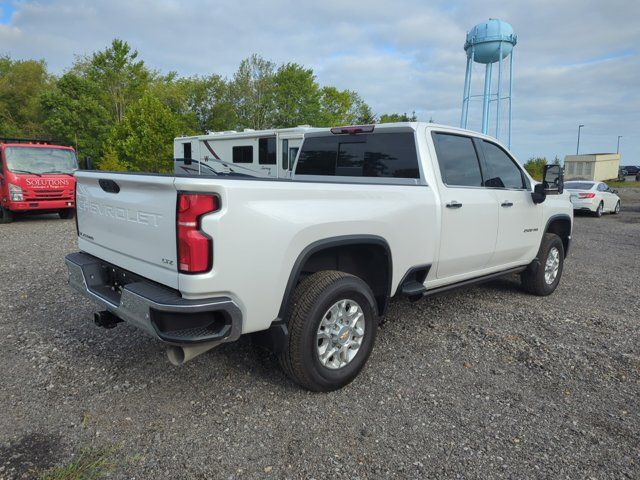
<point>186,150</point>
<point>285,154</point>
<point>267,151</point>
<point>243,154</point>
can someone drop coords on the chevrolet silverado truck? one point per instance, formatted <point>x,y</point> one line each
<point>311,262</point>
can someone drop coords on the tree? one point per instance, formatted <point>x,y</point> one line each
<point>336,107</point>
<point>295,97</point>
<point>22,82</point>
<point>360,113</point>
<point>251,92</point>
<point>120,77</point>
<point>74,114</point>
<point>143,141</point>
<point>396,117</point>
<point>535,167</point>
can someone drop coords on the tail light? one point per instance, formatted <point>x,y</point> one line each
<point>195,252</point>
<point>586,195</point>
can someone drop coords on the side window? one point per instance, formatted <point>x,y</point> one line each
<point>318,156</point>
<point>501,170</point>
<point>186,150</point>
<point>458,160</point>
<point>602,187</point>
<point>267,151</point>
<point>243,154</point>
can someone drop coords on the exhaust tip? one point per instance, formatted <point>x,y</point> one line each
<point>176,355</point>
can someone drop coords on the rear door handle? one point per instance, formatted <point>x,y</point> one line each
<point>507,204</point>
<point>454,204</point>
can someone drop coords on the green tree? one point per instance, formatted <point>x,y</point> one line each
<point>22,82</point>
<point>336,107</point>
<point>360,113</point>
<point>397,117</point>
<point>535,167</point>
<point>120,77</point>
<point>74,114</point>
<point>251,92</point>
<point>295,96</point>
<point>143,141</point>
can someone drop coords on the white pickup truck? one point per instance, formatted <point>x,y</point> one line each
<point>370,212</point>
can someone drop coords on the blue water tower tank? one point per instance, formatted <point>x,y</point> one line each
<point>486,40</point>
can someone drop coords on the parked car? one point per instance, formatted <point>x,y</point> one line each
<point>622,175</point>
<point>631,169</point>
<point>370,212</point>
<point>594,197</point>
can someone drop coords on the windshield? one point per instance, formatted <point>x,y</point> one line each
<point>40,160</point>
<point>578,185</point>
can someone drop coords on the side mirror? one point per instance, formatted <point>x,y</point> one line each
<point>614,191</point>
<point>538,195</point>
<point>88,163</point>
<point>553,180</point>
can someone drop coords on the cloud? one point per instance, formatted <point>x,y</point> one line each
<point>576,61</point>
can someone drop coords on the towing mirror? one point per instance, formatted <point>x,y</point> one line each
<point>553,180</point>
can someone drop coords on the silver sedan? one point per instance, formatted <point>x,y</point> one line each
<point>593,197</point>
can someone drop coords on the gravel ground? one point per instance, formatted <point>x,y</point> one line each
<point>483,383</point>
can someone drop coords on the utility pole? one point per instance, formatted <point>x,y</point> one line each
<point>618,147</point>
<point>578,146</point>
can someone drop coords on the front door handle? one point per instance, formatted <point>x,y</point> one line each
<point>454,204</point>
<point>506,204</point>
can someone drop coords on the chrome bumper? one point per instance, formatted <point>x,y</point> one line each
<point>158,310</point>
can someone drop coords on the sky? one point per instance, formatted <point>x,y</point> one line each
<point>576,61</point>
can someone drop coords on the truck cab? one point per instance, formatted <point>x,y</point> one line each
<point>36,176</point>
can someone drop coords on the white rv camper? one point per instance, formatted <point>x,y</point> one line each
<point>256,153</point>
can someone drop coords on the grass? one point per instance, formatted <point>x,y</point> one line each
<point>91,464</point>
<point>626,184</point>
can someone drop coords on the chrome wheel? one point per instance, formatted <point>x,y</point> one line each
<point>340,334</point>
<point>552,266</point>
<point>617,207</point>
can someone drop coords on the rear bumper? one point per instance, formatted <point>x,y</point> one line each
<point>158,310</point>
<point>40,205</point>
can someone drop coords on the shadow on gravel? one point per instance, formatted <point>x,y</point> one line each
<point>30,454</point>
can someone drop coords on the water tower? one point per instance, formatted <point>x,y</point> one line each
<point>488,43</point>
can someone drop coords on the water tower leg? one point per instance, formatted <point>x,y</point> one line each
<point>499,93</point>
<point>465,94</point>
<point>485,99</point>
<point>510,96</point>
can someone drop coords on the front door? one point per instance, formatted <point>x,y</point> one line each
<point>519,218</point>
<point>469,211</point>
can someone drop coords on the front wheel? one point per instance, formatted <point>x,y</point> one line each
<point>332,326</point>
<point>617,209</point>
<point>544,278</point>
<point>6,215</point>
<point>66,213</point>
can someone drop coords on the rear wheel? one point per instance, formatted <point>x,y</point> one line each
<point>543,278</point>
<point>66,213</point>
<point>617,209</point>
<point>332,326</point>
<point>599,210</point>
<point>6,215</point>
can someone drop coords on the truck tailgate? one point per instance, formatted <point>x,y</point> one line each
<point>129,220</point>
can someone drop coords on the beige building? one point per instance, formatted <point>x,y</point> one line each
<point>592,166</point>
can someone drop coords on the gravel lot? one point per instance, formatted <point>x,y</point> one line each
<point>483,383</point>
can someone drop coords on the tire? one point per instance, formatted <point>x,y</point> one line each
<point>534,279</point>
<point>6,215</point>
<point>617,209</point>
<point>66,213</point>
<point>312,301</point>
<point>600,210</point>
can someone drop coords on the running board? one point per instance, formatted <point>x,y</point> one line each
<point>473,281</point>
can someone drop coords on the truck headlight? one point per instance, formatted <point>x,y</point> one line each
<point>15,193</point>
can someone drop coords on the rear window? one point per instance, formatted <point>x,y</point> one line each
<point>578,185</point>
<point>369,155</point>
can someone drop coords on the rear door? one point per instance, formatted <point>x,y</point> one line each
<point>129,221</point>
<point>469,211</point>
<point>519,218</point>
